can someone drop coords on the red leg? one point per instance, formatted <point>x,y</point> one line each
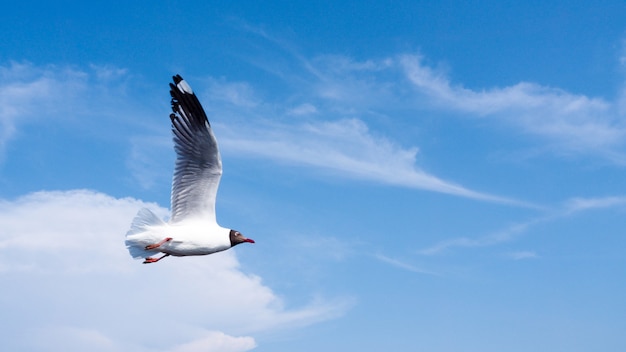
<point>154,260</point>
<point>158,244</point>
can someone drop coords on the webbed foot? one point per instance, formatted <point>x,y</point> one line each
<point>154,260</point>
<point>158,244</point>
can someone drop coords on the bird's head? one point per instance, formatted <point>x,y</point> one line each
<point>236,238</point>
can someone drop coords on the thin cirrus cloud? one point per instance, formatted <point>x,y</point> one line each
<point>403,265</point>
<point>26,91</point>
<point>70,246</point>
<point>344,145</point>
<point>320,137</point>
<point>58,94</point>
<point>522,255</point>
<point>321,129</point>
<point>573,122</point>
<point>570,207</point>
<point>342,142</point>
<point>568,123</point>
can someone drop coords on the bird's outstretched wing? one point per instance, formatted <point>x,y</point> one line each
<point>198,164</point>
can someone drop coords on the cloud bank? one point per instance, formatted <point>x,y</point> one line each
<point>72,280</point>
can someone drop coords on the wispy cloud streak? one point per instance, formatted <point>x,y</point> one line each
<point>402,265</point>
<point>323,124</point>
<point>50,93</point>
<point>306,133</point>
<point>575,123</point>
<point>27,91</point>
<point>569,123</point>
<point>345,147</point>
<point>522,255</point>
<point>568,208</point>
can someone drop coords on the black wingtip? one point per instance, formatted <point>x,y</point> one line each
<point>177,79</point>
<point>185,103</point>
<point>181,85</point>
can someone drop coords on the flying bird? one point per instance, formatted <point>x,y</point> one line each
<point>192,228</point>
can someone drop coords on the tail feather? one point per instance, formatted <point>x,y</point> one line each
<point>142,233</point>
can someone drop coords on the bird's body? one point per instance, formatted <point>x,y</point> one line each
<point>191,237</point>
<point>192,229</point>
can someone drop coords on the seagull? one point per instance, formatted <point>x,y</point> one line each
<point>192,228</point>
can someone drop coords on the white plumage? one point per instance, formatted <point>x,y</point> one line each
<point>193,228</point>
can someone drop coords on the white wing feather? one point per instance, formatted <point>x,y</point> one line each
<point>198,166</point>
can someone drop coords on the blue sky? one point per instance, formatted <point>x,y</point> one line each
<point>417,176</point>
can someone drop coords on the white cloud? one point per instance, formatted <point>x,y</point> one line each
<point>215,341</point>
<point>338,141</point>
<point>569,208</point>
<point>345,147</point>
<point>151,159</point>
<point>568,123</point>
<point>355,86</point>
<point>402,265</point>
<point>66,338</point>
<point>108,72</point>
<point>522,255</point>
<point>504,235</point>
<point>53,94</point>
<point>575,123</point>
<point>582,204</point>
<point>303,109</point>
<point>27,91</point>
<point>66,250</point>
<point>239,94</point>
